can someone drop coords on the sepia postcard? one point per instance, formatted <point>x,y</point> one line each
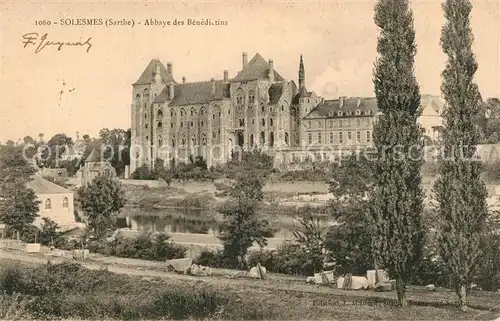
<point>192,160</point>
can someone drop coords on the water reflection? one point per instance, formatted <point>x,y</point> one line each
<point>170,220</point>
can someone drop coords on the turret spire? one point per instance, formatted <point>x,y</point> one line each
<point>302,73</point>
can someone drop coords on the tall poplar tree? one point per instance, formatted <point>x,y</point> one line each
<point>397,198</point>
<point>460,192</point>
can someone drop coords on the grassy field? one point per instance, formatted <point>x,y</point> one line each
<point>129,293</point>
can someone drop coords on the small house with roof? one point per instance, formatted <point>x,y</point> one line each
<point>56,202</point>
<point>94,166</point>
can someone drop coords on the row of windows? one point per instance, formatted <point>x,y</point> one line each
<point>350,113</point>
<point>343,122</point>
<point>340,136</point>
<point>48,203</point>
<point>215,134</point>
<point>262,122</point>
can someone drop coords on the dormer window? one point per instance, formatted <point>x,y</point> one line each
<point>340,113</point>
<point>358,112</point>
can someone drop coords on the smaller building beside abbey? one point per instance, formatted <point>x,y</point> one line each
<point>258,108</point>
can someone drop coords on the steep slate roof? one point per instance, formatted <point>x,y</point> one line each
<point>436,102</point>
<point>257,68</point>
<point>303,93</point>
<point>42,186</point>
<point>147,76</point>
<point>275,92</point>
<point>194,93</point>
<point>93,157</point>
<point>323,110</point>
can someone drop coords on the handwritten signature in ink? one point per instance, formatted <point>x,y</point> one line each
<point>42,43</point>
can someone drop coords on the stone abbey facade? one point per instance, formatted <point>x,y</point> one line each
<point>257,108</point>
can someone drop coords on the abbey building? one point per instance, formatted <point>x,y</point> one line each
<point>257,108</point>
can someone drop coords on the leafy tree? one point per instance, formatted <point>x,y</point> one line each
<point>349,240</point>
<point>101,200</point>
<point>158,168</point>
<point>489,121</point>
<point>18,204</point>
<point>311,237</point>
<point>459,190</point>
<point>242,226</point>
<point>56,146</point>
<point>29,140</point>
<point>49,234</point>
<point>397,196</point>
<point>117,145</point>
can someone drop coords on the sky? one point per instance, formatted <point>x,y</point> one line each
<point>337,40</point>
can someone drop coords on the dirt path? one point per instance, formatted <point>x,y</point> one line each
<point>274,283</point>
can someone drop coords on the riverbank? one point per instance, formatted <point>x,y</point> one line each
<point>277,298</point>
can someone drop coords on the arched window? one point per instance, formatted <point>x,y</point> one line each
<point>271,139</point>
<point>262,108</point>
<point>160,142</point>
<point>286,138</point>
<point>183,140</point>
<point>282,108</point>
<point>203,139</point>
<point>160,124</point>
<point>192,124</point>
<point>251,140</point>
<point>171,125</point>
<point>263,121</point>
<point>65,202</point>
<point>251,97</point>
<point>262,138</point>
<point>146,125</point>
<point>159,114</point>
<point>173,141</point>
<point>270,121</point>
<point>193,140</point>
<point>48,204</point>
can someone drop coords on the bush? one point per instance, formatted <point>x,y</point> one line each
<point>145,246</point>
<point>143,173</point>
<point>70,291</point>
<point>181,305</point>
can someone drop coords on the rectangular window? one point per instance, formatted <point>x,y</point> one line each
<point>319,138</point>
<point>331,123</point>
<point>348,135</point>
<point>341,138</point>
<point>358,137</point>
<point>368,136</point>
<point>331,138</point>
<point>358,122</point>
<point>340,122</point>
<point>310,136</point>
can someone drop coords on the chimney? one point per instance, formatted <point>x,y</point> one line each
<point>358,102</point>
<point>271,70</point>
<point>169,69</point>
<point>341,101</point>
<point>212,81</point>
<point>245,59</point>
<point>183,79</point>
<point>226,75</point>
<point>171,89</point>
